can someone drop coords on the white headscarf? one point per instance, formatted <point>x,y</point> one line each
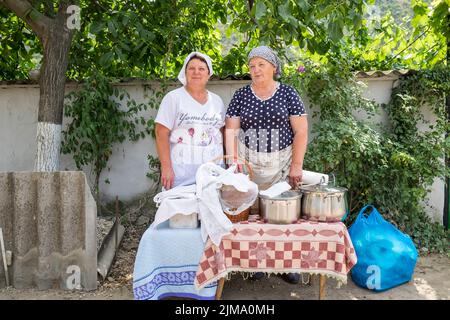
<point>182,74</point>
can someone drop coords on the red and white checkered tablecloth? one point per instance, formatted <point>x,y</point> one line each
<point>304,247</point>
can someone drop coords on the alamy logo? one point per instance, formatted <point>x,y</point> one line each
<point>74,279</point>
<point>374,281</point>
<point>73,21</point>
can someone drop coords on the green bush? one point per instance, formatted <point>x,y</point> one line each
<point>390,166</point>
<point>97,122</point>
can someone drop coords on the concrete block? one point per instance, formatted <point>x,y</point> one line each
<point>49,223</point>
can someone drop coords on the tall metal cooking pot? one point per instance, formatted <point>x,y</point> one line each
<point>282,209</point>
<point>322,202</point>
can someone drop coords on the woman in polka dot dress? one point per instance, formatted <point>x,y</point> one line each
<point>266,124</point>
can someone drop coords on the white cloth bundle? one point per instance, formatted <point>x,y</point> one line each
<point>203,197</point>
<point>210,178</point>
<point>215,223</point>
<point>234,200</point>
<point>179,200</point>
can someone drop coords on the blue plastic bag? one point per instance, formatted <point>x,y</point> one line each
<point>386,256</point>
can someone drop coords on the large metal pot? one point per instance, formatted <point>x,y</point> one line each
<point>321,202</point>
<point>282,209</point>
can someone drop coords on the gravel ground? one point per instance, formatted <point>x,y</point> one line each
<point>431,281</point>
<point>103,226</point>
<point>118,284</point>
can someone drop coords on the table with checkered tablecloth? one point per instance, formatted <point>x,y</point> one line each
<point>322,248</point>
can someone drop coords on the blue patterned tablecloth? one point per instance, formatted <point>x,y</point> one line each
<point>166,264</point>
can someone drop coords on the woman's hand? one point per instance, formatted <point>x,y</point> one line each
<point>295,175</point>
<point>239,168</point>
<point>163,149</point>
<point>167,177</point>
<point>232,127</point>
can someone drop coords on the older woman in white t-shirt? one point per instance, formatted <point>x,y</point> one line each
<point>189,124</point>
<point>188,133</point>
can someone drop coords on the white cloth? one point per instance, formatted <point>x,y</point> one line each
<point>276,189</point>
<point>240,181</point>
<point>181,192</point>
<point>215,223</point>
<point>182,74</point>
<point>234,204</point>
<point>195,136</point>
<point>178,200</point>
<point>202,198</point>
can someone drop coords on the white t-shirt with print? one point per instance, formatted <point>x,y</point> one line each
<point>195,136</point>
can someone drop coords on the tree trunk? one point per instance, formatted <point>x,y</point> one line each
<point>447,159</point>
<point>52,80</point>
<point>48,140</point>
<point>55,37</point>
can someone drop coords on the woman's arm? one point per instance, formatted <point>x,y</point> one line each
<point>300,128</point>
<point>232,126</point>
<point>222,132</point>
<point>163,149</point>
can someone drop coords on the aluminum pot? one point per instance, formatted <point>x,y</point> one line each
<point>282,209</point>
<point>321,202</point>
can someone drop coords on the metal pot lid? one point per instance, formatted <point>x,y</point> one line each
<point>323,188</point>
<point>287,195</point>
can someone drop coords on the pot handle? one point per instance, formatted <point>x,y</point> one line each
<point>334,179</point>
<point>345,216</point>
<point>322,180</point>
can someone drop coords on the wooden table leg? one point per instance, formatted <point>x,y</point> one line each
<point>322,285</point>
<point>220,288</point>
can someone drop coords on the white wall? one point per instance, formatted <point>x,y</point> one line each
<point>128,164</point>
<point>18,123</point>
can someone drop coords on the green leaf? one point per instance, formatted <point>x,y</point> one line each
<point>143,52</point>
<point>304,5</point>
<point>125,20</point>
<point>223,19</point>
<point>119,53</point>
<point>105,59</point>
<point>325,12</point>
<point>284,11</point>
<point>261,10</point>
<point>335,29</point>
<point>246,27</point>
<point>419,20</point>
<point>112,28</point>
<point>124,46</point>
<point>96,27</point>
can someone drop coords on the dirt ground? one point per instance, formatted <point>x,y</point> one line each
<point>431,281</point>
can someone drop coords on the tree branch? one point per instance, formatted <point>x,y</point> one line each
<point>250,4</point>
<point>38,22</point>
<point>409,45</point>
<point>249,10</point>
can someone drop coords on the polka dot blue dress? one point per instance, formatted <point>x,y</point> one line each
<point>265,123</point>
